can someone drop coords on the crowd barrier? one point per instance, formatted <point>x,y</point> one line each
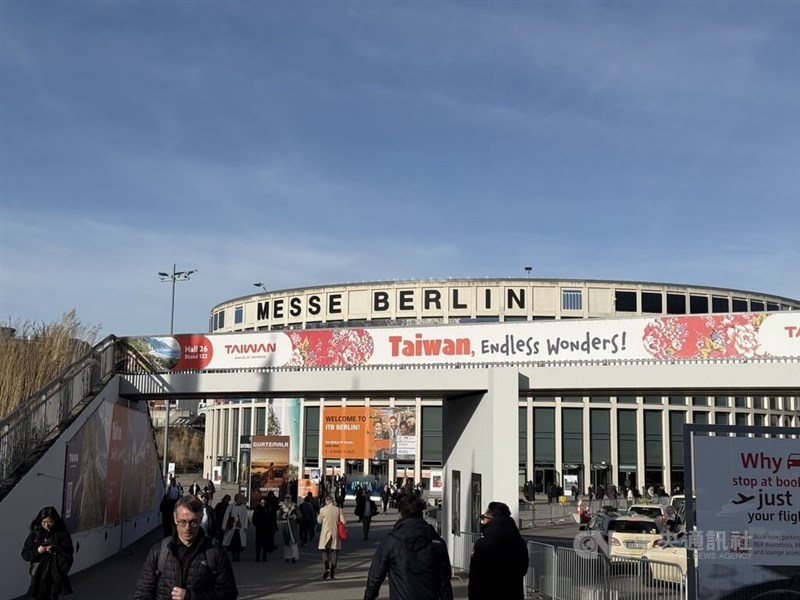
<point>566,574</point>
<point>555,513</point>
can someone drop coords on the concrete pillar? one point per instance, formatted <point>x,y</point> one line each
<point>480,438</point>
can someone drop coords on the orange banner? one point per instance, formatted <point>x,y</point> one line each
<point>376,433</point>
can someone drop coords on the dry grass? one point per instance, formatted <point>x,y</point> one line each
<point>185,447</point>
<point>36,353</point>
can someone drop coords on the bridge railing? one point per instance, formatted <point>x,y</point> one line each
<point>41,417</point>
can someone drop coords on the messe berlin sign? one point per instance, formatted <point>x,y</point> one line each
<point>739,335</point>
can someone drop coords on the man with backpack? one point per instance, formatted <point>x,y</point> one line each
<point>189,564</point>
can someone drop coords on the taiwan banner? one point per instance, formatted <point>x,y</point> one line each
<point>685,337</point>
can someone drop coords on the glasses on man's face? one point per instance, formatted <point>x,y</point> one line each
<point>191,524</point>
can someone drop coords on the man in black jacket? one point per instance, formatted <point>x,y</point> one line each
<point>414,557</point>
<point>499,560</point>
<point>194,566</point>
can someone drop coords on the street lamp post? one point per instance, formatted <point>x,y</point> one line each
<point>261,285</point>
<point>174,277</point>
<point>528,271</point>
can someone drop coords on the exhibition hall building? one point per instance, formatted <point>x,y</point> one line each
<point>588,382</point>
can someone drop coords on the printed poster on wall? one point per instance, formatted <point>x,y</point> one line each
<point>111,470</point>
<point>748,512</point>
<point>730,335</point>
<point>270,466</point>
<point>376,433</point>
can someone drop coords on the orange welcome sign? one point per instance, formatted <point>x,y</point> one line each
<point>345,432</point>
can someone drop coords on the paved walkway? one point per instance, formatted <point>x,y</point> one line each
<point>273,579</point>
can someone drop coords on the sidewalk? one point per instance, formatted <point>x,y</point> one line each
<point>273,579</point>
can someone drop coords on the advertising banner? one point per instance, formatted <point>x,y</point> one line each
<point>715,336</point>
<point>369,433</point>
<point>270,467</point>
<point>437,482</point>
<point>216,475</point>
<point>112,470</point>
<point>748,511</point>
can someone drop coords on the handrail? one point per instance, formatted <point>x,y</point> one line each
<point>26,429</point>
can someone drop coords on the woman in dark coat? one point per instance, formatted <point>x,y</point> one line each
<point>219,513</point>
<point>264,524</point>
<point>499,560</point>
<point>48,548</point>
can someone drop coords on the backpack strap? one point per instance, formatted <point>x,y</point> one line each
<point>163,551</point>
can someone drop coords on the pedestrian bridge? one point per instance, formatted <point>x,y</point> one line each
<point>51,449</point>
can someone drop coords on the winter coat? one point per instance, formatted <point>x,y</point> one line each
<point>48,570</point>
<point>239,514</point>
<point>329,517</point>
<point>416,560</point>
<point>196,575</point>
<point>287,523</point>
<point>499,562</point>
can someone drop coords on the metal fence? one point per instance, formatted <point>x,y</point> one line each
<point>565,574</point>
<point>40,418</point>
<point>461,552</point>
<point>555,513</point>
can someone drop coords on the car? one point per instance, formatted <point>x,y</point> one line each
<point>678,502</point>
<point>671,550</point>
<point>623,535</point>
<point>663,514</point>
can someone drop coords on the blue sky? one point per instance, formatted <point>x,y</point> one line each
<point>306,143</point>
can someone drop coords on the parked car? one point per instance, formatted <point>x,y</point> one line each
<point>663,514</point>
<point>678,503</point>
<point>623,536</point>
<point>670,550</point>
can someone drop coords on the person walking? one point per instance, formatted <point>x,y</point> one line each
<point>189,564</point>
<point>499,560</point>
<point>386,495</point>
<point>287,523</point>
<point>167,509</point>
<point>329,518</point>
<point>48,548</point>
<point>194,489</point>
<point>209,520</point>
<point>414,557</point>
<point>307,520</point>
<point>265,529</point>
<point>219,512</point>
<point>365,510</point>
<point>236,521</point>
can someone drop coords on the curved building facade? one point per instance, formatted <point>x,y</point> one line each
<point>432,302</point>
<point>607,373</point>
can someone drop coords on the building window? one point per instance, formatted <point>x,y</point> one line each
<point>600,435</point>
<point>261,420</point>
<point>626,444</point>
<point>739,305</point>
<point>720,401</point>
<point>652,302</point>
<point>699,400</point>
<point>700,418</point>
<point>741,418</point>
<point>626,399</point>
<point>523,436</point>
<point>544,435</point>
<point>771,306</point>
<point>652,400</point>
<point>676,304</point>
<point>246,419</point>
<point>677,400</point>
<point>238,315</point>
<point>311,441</point>
<point>719,304</point>
<point>677,419</point>
<point>571,300</point>
<point>740,401</point>
<point>653,449</point>
<point>431,435</point>
<point>698,305</point>
<point>721,418</point>
<point>625,301</point>
<point>572,435</point>
<point>756,306</point>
